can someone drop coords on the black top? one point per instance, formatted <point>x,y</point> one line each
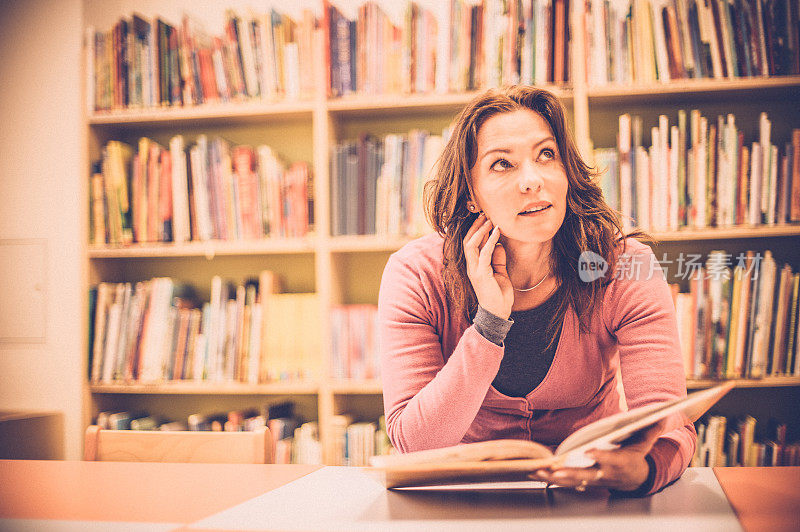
<point>527,359</point>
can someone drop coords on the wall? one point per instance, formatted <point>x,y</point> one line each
<point>41,168</point>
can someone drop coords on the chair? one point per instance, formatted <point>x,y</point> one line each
<point>251,447</point>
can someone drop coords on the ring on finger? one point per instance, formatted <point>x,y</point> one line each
<point>582,485</point>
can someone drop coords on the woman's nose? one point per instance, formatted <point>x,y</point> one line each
<point>530,178</point>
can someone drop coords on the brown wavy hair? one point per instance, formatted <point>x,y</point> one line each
<point>589,223</point>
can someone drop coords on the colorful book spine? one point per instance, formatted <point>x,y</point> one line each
<point>723,443</point>
<point>155,332</point>
<point>681,39</point>
<point>354,346</point>
<point>205,191</point>
<point>701,173</point>
<point>739,318</point>
<point>145,63</point>
<point>377,184</point>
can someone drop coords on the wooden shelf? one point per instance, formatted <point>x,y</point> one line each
<point>355,387</point>
<point>231,112</point>
<point>716,233</point>
<point>208,249</point>
<point>249,111</point>
<point>345,387</point>
<point>359,243</point>
<point>373,243</point>
<point>306,130</point>
<point>206,388</point>
<point>369,105</point>
<point>339,387</point>
<point>617,93</point>
<point>766,382</point>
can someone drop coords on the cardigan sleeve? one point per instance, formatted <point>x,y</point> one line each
<point>641,314</point>
<point>429,403</point>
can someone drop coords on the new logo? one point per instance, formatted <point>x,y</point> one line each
<point>591,266</point>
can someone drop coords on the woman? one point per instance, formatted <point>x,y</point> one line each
<point>512,320</point>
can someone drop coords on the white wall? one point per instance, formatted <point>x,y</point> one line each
<point>41,168</point>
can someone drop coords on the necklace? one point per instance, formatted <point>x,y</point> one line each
<point>532,287</point>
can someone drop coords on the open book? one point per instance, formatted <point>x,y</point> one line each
<point>499,460</point>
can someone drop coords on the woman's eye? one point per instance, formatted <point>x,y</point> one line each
<point>500,165</point>
<point>548,153</point>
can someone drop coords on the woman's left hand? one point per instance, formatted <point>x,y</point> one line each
<point>624,468</point>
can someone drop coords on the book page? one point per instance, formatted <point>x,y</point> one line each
<point>616,428</point>
<point>471,452</point>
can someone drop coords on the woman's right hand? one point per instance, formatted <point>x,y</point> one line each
<point>486,267</point>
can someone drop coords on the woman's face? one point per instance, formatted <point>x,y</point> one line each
<point>519,169</point>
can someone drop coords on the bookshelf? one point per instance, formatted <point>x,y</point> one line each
<point>180,387</point>
<point>347,269</point>
<point>768,382</point>
<point>786,85</point>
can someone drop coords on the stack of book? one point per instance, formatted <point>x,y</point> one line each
<point>154,332</point>
<point>721,444</point>
<point>700,173</point>
<point>354,443</point>
<point>377,184</point>
<point>740,318</point>
<point>354,346</point>
<point>644,41</point>
<point>146,63</point>
<point>469,46</point>
<point>208,191</point>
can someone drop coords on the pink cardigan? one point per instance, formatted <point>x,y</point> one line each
<point>437,369</point>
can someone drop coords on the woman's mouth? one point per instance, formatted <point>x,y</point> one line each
<point>534,212</point>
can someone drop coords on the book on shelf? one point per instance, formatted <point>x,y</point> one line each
<point>355,443</point>
<point>739,318</point>
<point>159,331</point>
<point>209,190</point>
<point>306,448</point>
<point>667,40</point>
<point>377,184</point>
<point>695,174</point>
<point>465,46</point>
<point>354,346</point>
<point>516,459</point>
<point>729,442</point>
<point>116,420</point>
<point>288,351</point>
<point>144,62</point>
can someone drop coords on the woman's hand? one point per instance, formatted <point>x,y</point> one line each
<point>486,267</point>
<point>623,469</point>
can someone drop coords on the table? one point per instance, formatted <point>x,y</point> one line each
<point>130,493</point>
<point>764,498</point>
<point>74,495</point>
